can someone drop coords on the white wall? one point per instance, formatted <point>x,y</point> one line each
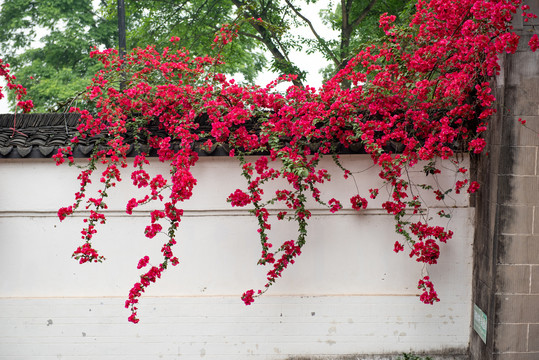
<point>347,293</point>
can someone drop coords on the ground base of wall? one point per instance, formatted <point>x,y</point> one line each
<point>214,327</point>
<point>431,356</point>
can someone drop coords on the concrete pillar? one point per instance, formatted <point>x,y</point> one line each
<point>506,248</point>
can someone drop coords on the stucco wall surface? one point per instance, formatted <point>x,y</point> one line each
<point>348,293</point>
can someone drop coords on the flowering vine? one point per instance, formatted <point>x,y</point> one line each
<point>424,92</point>
<point>18,89</point>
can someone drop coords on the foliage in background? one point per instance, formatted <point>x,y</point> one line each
<point>57,67</point>
<point>196,23</point>
<point>357,23</point>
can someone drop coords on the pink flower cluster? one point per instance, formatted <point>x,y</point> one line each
<point>20,91</point>
<point>239,198</point>
<point>358,202</point>
<point>86,253</point>
<point>429,295</point>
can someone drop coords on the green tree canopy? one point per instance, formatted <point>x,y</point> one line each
<point>56,66</point>
<point>196,23</point>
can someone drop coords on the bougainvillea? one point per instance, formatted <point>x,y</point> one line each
<point>11,84</point>
<point>426,89</point>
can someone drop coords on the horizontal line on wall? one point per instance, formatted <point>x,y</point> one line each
<point>517,234</point>
<point>211,296</point>
<point>208,213</point>
<point>188,213</point>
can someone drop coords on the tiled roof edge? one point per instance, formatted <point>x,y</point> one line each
<point>41,135</point>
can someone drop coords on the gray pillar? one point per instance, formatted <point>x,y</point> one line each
<point>506,247</point>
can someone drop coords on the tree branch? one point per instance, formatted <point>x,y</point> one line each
<point>266,38</point>
<point>363,14</point>
<point>320,40</point>
<point>245,33</point>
